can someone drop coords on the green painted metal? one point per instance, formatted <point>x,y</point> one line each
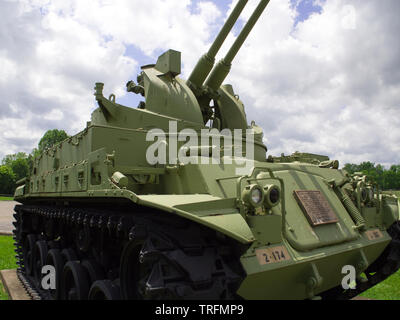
<point>221,71</point>
<point>106,163</point>
<point>206,63</point>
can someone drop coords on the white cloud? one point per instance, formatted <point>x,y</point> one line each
<point>330,86</point>
<point>53,51</point>
<point>7,67</point>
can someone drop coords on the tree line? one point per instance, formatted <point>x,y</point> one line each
<point>387,179</point>
<point>17,166</point>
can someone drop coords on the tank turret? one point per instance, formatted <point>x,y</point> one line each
<point>202,98</point>
<point>230,114</point>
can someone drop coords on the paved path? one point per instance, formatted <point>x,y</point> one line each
<point>6,216</point>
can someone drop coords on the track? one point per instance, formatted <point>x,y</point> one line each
<point>108,255</point>
<point>111,255</point>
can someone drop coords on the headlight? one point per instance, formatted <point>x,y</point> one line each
<point>272,195</point>
<point>256,196</point>
<point>253,195</point>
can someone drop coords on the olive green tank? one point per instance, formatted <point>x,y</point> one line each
<point>177,199</point>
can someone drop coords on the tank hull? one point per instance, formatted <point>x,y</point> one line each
<point>276,254</point>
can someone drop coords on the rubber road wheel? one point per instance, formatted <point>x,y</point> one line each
<point>75,282</point>
<point>104,290</point>
<point>39,260</point>
<point>29,245</point>
<point>55,259</point>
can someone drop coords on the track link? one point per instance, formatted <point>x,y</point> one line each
<point>175,258</point>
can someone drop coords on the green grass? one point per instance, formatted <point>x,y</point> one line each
<point>3,294</point>
<point>386,290</point>
<point>7,254</point>
<point>7,260</point>
<point>6,198</point>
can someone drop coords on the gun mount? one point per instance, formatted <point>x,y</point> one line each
<point>190,100</point>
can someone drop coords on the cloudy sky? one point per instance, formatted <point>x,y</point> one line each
<point>320,76</point>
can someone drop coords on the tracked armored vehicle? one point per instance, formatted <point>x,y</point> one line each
<point>114,224</point>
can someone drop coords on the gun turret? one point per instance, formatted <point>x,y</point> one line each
<point>166,94</point>
<point>228,110</point>
<point>206,63</point>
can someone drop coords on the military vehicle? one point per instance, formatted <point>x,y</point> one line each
<point>113,226</point>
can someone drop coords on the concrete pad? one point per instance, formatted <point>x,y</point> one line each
<point>6,217</point>
<point>13,286</point>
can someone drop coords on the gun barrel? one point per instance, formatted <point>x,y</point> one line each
<point>246,31</point>
<point>221,70</point>
<point>223,34</point>
<point>206,62</point>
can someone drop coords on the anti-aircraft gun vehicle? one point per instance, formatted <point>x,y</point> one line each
<point>116,225</point>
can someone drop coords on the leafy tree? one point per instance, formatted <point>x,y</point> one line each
<point>395,169</point>
<point>367,167</point>
<point>17,166</point>
<point>9,159</point>
<point>20,167</point>
<point>7,180</point>
<point>50,138</point>
<point>387,179</point>
<point>351,168</point>
<point>35,153</point>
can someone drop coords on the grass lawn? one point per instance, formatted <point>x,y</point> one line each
<point>6,198</point>
<point>386,290</point>
<point>7,254</point>
<point>7,259</point>
<point>3,294</point>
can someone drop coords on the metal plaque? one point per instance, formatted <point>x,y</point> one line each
<point>316,207</point>
<point>374,234</point>
<point>272,255</point>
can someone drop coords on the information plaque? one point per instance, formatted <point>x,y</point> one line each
<point>316,207</point>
